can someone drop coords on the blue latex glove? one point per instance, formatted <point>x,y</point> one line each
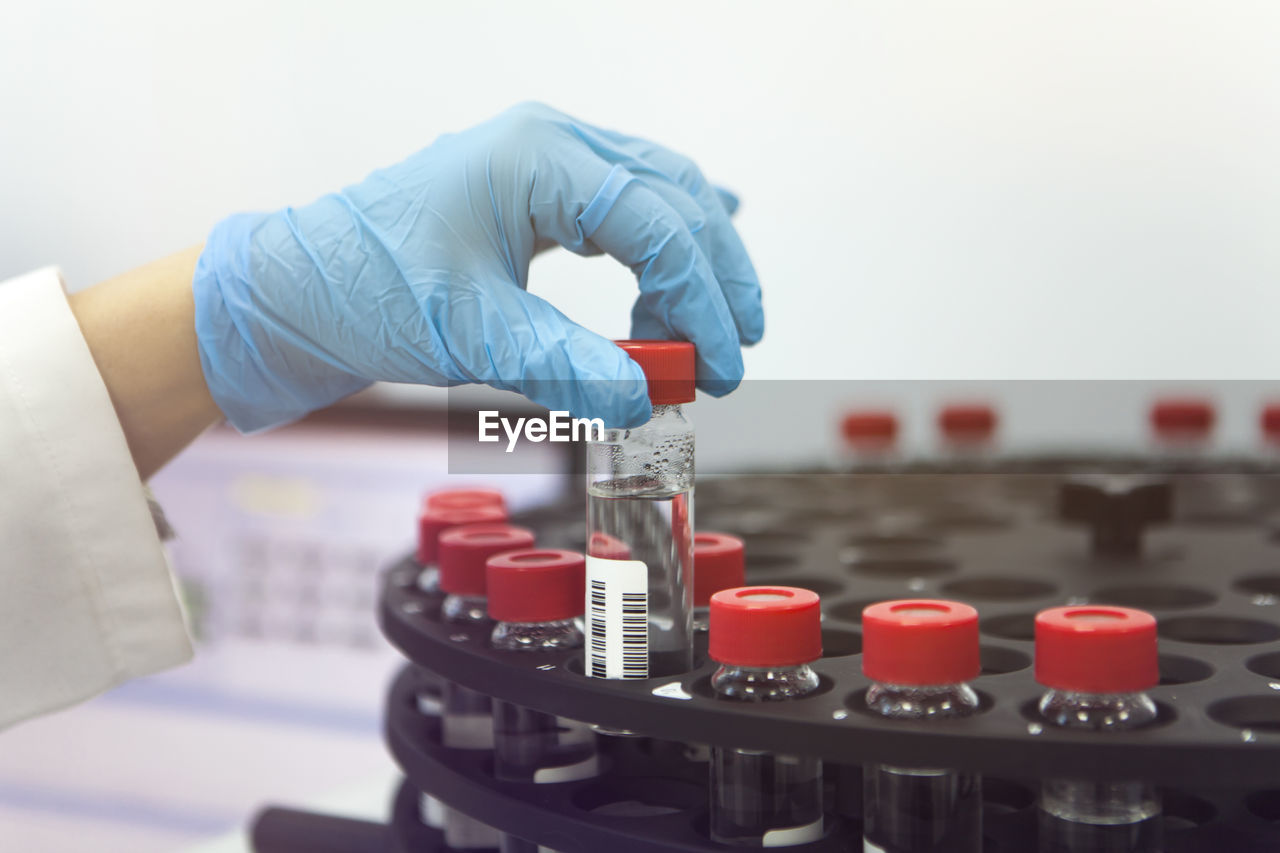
<point>418,274</point>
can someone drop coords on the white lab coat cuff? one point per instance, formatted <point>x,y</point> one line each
<point>86,596</point>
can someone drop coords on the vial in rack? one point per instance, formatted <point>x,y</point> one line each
<point>717,564</point>
<point>1097,662</point>
<point>534,595</point>
<point>467,718</point>
<point>640,494</point>
<point>765,639</point>
<point>434,520</point>
<point>920,654</point>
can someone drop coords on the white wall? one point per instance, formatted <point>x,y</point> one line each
<point>990,189</point>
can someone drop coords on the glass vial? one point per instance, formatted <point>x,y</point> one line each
<point>869,438</point>
<point>535,595</point>
<point>765,639</point>
<point>1097,663</point>
<point>718,564</point>
<point>467,719</point>
<point>920,654</point>
<point>462,554</point>
<point>640,494</point>
<point>444,510</point>
<point>434,520</point>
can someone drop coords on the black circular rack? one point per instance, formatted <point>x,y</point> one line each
<point>1195,547</point>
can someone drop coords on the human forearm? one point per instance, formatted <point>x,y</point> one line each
<point>140,327</point>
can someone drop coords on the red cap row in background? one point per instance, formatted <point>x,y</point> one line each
<point>1172,419</point>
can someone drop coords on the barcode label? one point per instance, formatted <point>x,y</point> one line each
<point>617,618</point>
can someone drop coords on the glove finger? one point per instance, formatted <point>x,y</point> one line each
<point>519,342</point>
<point>670,173</point>
<point>728,199</point>
<point>678,289</point>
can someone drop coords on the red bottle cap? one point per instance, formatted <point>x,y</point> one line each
<point>870,429</point>
<point>465,498</point>
<point>1096,649</point>
<point>717,564</point>
<point>432,521</point>
<point>608,547</point>
<point>765,626</point>
<point>536,585</point>
<point>463,553</point>
<point>967,423</point>
<point>669,366</point>
<point>920,641</point>
<point>1270,422</point>
<point>1182,418</point>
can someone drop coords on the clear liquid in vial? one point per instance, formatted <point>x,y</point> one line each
<point>656,524</point>
<point>922,811</point>
<point>1058,835</point>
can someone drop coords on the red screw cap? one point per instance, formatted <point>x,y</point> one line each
<point>920,641</point>
<point>1096,649</point>
<point>669,366</point>
<point>465,499</point>
<point>765,626</point>
<point>717,564</point>
<point>1270,422</point>
<point>432,521</point>
<point>870,430</point>
<point>608,547</point>
<point>1182,418</point>
<point>463,553</point>
<point>967,423</point>
<point>536,585</point>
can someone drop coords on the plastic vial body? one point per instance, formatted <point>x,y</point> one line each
<point>640,493</point>
<point>759,799</point>
<point>1078,815</point>
<point>921,810</point>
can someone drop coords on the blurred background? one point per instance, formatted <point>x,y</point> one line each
<point>953,193</point>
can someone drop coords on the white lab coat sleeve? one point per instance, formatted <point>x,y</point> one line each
<point>86,596</point>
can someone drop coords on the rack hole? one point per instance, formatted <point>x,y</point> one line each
<point>822,586</point>
<point>757,561</point>
<point>914,567</point>
<point>1176,669</point>
<point>1156,597</point>
<point>851,611</point>
<point>1183,811</point>
<point>1003,797</point>
<point>892,542</point>
<point>1263,589</point>
<point>639,797</point>
<point>1264,805</point>
<point>1011,626</point>
<point>1256,713</point>
<point>999,589</point>
<point>999,661</point>
<point>1165,715</point>
<point>1218,630</point>
<point>1267,665</point>
<point>837,643</point>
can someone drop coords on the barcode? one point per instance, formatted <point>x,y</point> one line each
<point>635,635</point>
<point>599,630</point>
<point>617,618</point>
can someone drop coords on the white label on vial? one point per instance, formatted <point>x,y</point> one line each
<point>793,835</point>
<point>868,847</point>
<point>617,618</point>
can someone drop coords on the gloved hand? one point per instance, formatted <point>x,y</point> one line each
<point>418,274</point>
